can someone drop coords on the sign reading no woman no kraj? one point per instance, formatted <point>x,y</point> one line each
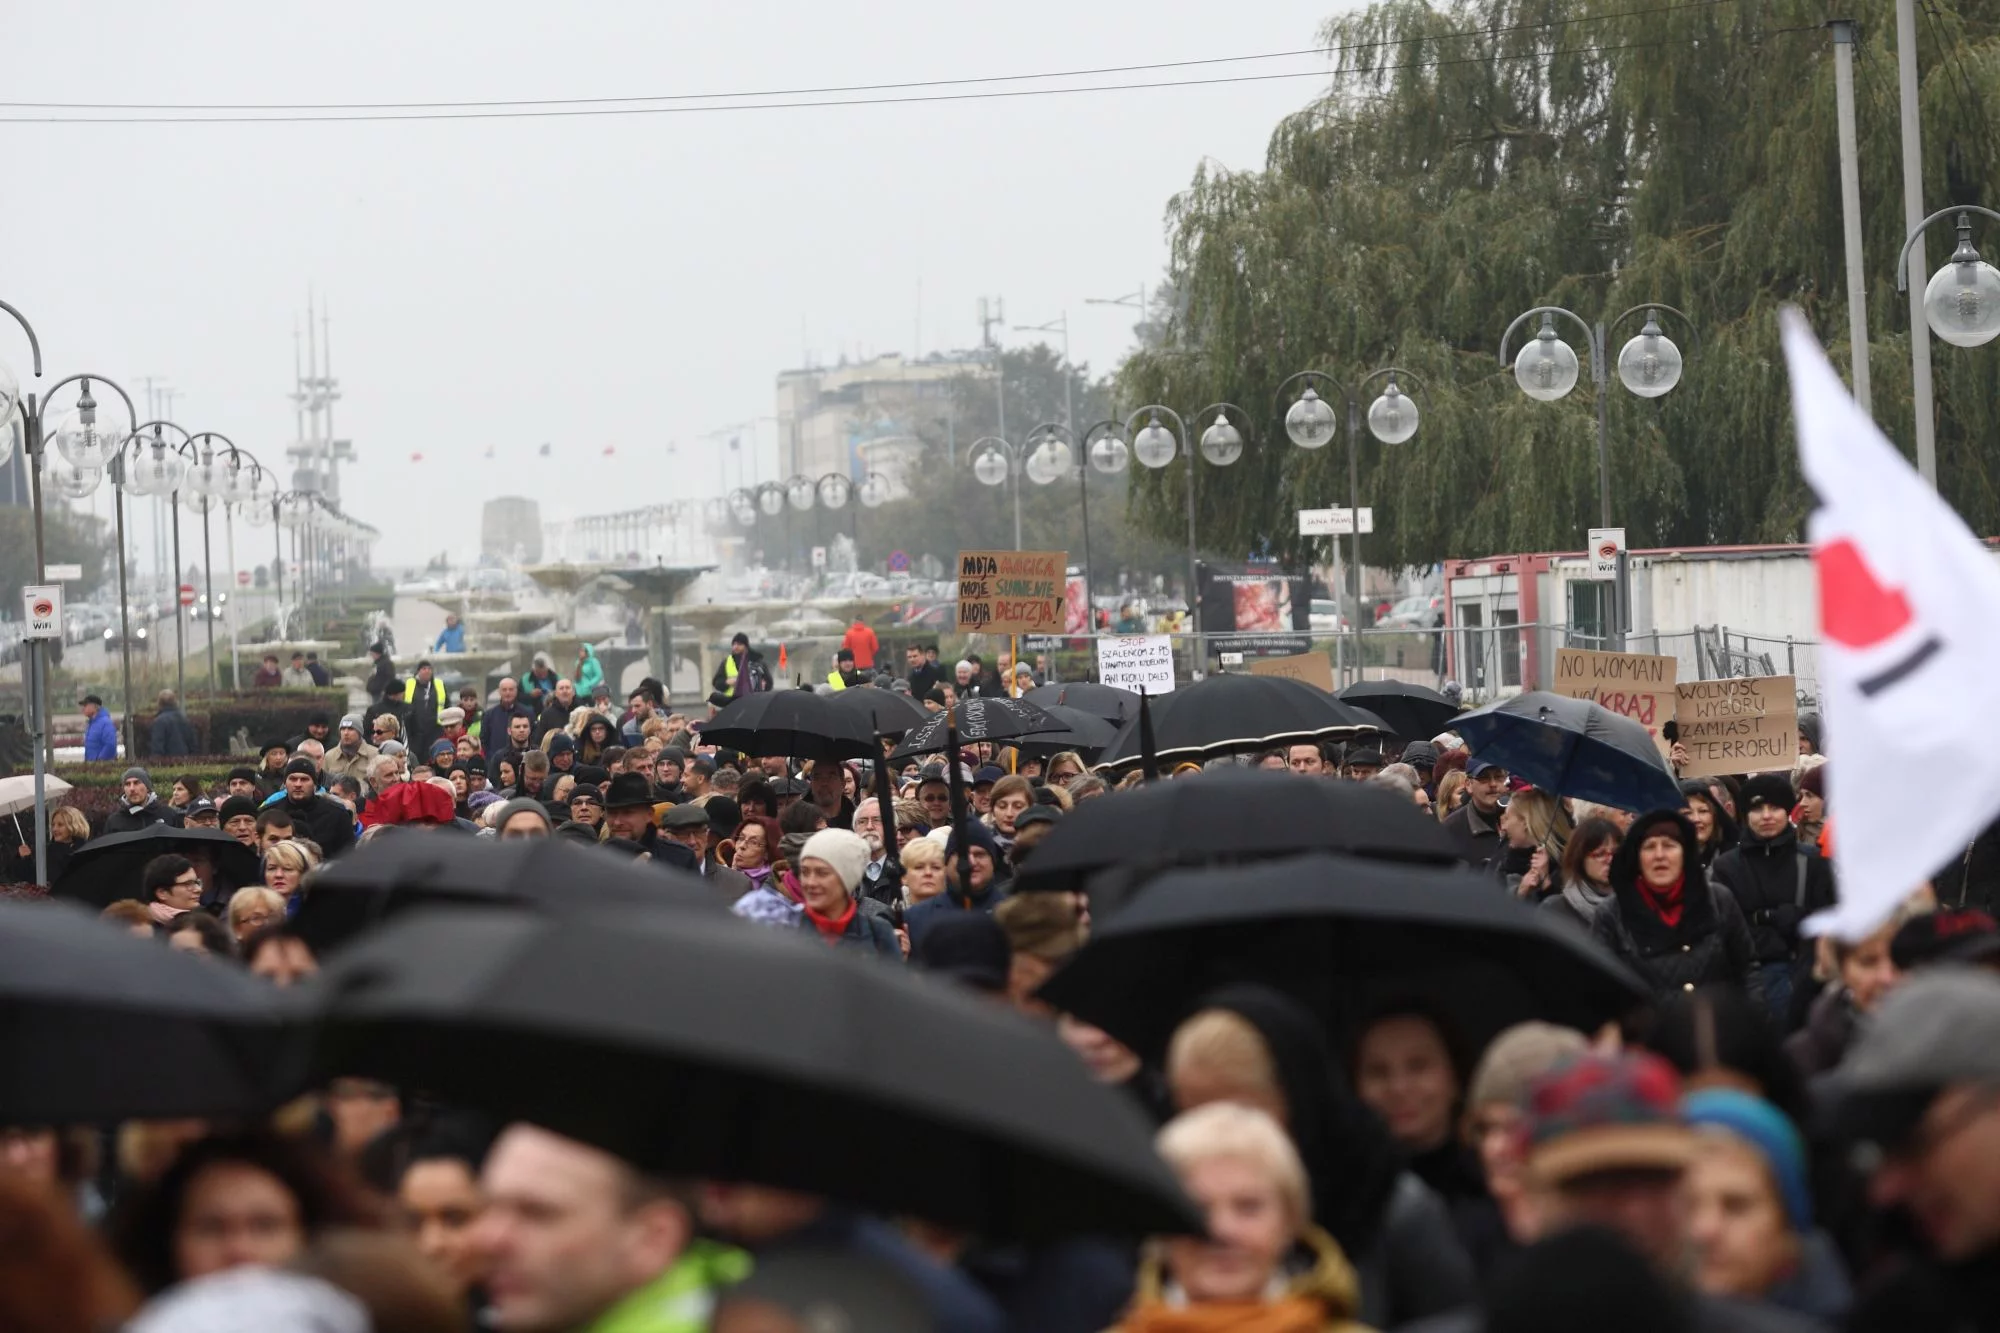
<point>1635,685</point>
<point>1011,592</point>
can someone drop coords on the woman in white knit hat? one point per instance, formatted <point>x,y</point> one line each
<point>830,868</point>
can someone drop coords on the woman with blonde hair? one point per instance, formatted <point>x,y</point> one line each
<point>1244,1174</point>
<point>1065,768</point>
<point>68,830</point>
<point>253,907</point>
<point>923,870</point>
<point>1450,794</point>
<point>1535,829</point>
<point>286,864</point>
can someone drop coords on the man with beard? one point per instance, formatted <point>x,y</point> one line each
<point>141,807</point>
<point>324,820</point>
<point>628,812</point>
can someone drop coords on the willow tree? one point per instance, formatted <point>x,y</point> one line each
<point>1474,160</point>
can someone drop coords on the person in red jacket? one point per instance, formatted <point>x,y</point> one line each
<point>860,640</point>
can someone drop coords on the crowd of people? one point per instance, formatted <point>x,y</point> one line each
<point>1793,1133</point>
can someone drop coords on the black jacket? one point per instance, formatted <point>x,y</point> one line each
<point>1972,877</point>
<point>924,678</point>
<point>154,811</point>
<point>1778,884</point>
<point>1478,838</point>
<point>382,677</point>
<point>493,726</point>
<point>1709,944</point>
<point>172,735</point>
<point>324,820</point>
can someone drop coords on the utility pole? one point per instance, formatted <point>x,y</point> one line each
<point>1850,209</point>
<point>990,314</point>
<point>1913,219</point>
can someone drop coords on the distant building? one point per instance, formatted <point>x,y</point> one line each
<point>868,416</point>
<point>511,529</point>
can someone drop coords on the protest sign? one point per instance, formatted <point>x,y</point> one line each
<point>1011,592</point>
<point>1312,668</point>
<point>1635,685</point>
<point>1743,725</point>
<point>1137,662</point>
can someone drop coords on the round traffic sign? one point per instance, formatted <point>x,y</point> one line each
<point>242,578</point>
<point>187,594</point>
<point>899,562</point>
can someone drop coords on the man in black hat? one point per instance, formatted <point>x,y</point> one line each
<point>628,813</point>
<point>141,807</point>
<point>1778,884</point>
<point>1361,765</point>
<point>667,770</point>
<point>272,755</point>
<point>324,820</point>
<point>689,826</point>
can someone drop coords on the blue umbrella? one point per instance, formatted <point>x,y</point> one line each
<point>1572,747</point>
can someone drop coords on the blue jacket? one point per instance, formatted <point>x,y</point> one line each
<point>100,738</point>
<point>919,918</point>
<point>173,735</point>
<point>450,639</point>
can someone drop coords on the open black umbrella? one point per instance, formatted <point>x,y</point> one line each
<point>1346,937</point>
<point>1225,816</point>
<point>976,720</point>
<point>1413,712</point>
<point>1572,747</point>
<point>1114,705</point>
<point>798,723</point>
<point>106,869</point>
<point>101,1026</point>
<point>887,712</point>
<point>405,868</point>
<point>1235,714</point>
<point>1081,731</point>
<point>708,1048</point>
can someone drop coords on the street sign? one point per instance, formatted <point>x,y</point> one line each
<point>60,573</point>
<point>899,562</point>
<point>187,594</point>
<point>41,607</point>
<point>1606,545</point>
<point>242,578</point>
<point>294,570</point>
<point>819,557</point>
<point>1334,522</point>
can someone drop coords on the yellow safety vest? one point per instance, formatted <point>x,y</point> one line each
<point>834,679</point>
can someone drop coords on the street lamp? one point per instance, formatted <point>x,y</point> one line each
<point>1042,457</point>
<point>1962,306</point>
<point>1310,422</point>
<point>206,489</point>
<point>1155,446</point>
<point>1105,452</point>
<point>1648,365</point>
<point>158,468</point>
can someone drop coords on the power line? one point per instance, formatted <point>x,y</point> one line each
<point>635,105</point>
<point>990,95</point>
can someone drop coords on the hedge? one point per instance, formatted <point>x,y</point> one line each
<point>259,714</point>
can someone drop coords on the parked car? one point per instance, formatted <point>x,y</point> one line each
<point>140,636</point>
<point>1325,618</point>
<point>1421,611</point>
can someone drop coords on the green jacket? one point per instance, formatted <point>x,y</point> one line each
<point>680,1300</point>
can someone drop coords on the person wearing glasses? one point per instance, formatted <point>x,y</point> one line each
<point>172,888</point>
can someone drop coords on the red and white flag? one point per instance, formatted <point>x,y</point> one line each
<point>1909,610</point>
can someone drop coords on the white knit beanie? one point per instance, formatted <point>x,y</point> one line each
<point>846,852</point>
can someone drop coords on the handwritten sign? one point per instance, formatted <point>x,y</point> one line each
<point>1635,685</point>
<point>1137,662</point>
<point>1312,668</point>
<point>1744,725</point>
<point>1011,592</point>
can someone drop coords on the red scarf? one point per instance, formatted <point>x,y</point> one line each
<point>832,927</point>
<point>1666,903</point>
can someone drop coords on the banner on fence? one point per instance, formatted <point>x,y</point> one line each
<point>1748,724</point>
<point>1312,668</point>
<point>1011,592</point>
<point>1635,685</point>
<point>1137,662</point>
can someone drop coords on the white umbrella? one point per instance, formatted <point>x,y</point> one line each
<point>18,793</point>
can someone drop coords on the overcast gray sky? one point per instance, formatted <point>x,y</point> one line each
<point>591,281</point>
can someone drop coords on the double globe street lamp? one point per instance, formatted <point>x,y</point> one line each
<point>1044,457</point>
<point>1155,447</point>
<point>799,494</point>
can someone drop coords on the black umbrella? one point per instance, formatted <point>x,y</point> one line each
<point>797,723</point>
<point>1572,747</point>
<point>1226,816</point>
<point>1114,705</point>
<point>101,1026</point>
<point>887,712</point>
<point>1234,714</point>
<point>1081,731</point>
<point>405,868</point>
<point>1346,937</point>
<point>1414,712</point>
<point>976,720</point>
<point>106,869</point>
<point>707,1048</point>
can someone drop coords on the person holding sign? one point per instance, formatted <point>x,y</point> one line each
<point>1778,883</point>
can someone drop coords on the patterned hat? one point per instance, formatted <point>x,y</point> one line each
<point>1595,1113</point>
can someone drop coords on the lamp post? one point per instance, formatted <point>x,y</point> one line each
<point>1961,303</point>
<point>158,468</point>
<point>1392,419</point>
<point>93,451</point>
<point>207,489</point>
<point>1059,325</point>
<point>1649,365</point>
<point>1154,447</point>
<point>246,490</point>
<point>1104,451</point>
<point>1042,457</point>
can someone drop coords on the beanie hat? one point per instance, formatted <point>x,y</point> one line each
<point>1593,1113</point>
<point>440,746</point>
<point>522,805</point>
<point>238,805</point>
<point>845,851</point>
<point>140,774</point>
<point>350,722</point>
<point>1517,1057</point>
<point>561,743</point>
<point>1814,780</point>
<point>301,764</point>
<point>978,835</point>
<point>1763,1127</point>
<point>1768,789</point>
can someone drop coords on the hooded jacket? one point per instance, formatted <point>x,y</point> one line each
<point>590,750</point>
<point>589,672</point>
<point>1709,944</point>
<point>325,820</point>
<point>1726,831</point>
<point>172,735</point>
<point>1778,884</point>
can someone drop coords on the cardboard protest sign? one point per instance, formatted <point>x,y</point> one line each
<point>1137,662</point>
<point>1011,592</point>
<point>1742,725</point>
<point>1635,685</point>
<point>1312,668</point>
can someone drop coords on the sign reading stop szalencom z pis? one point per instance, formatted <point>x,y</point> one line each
<point>1011,592</point>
